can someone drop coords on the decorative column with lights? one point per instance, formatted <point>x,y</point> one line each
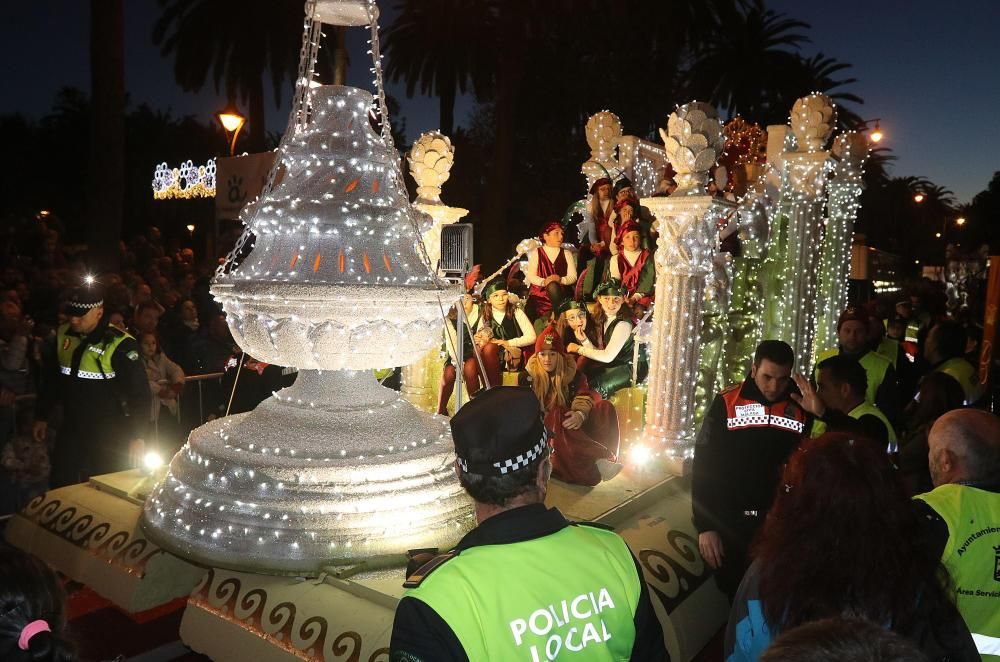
<point>843,199</point>
<point>797,229</point>
<point>430,160</point>
<point>335,469</point>
<point>685,248</point>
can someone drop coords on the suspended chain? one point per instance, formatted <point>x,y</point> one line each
<point>311,34</point>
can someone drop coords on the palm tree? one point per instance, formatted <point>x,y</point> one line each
<point>106,192</point>
<point>817,74</point>
<point>237,46</point>
<point>443,47</point>
<point>742,65</point>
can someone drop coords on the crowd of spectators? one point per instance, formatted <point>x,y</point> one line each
<point>160,295</point>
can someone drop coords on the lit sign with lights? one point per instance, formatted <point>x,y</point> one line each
<point>187,181</point>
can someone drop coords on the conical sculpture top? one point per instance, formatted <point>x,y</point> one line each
<point>335,279</point>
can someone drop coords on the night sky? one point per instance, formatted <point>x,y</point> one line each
<point>928,69</point>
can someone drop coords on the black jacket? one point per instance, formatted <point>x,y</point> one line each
<point>735,472</point>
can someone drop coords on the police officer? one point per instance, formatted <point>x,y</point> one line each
<point>526,584</point>
<point>961,516</point>
<point>747,435</point>
<point>93,369</point>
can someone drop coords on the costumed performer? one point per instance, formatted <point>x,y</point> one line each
<point>550,273</point>
<point>585,431</point>
<point>504,331</point>
<point>599,209</point>
<point>633,266</point>
<point>610,365</point>
<point>575,325</point>
<point>470,366</point>
<point>624,192</point>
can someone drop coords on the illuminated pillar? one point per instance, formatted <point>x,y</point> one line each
<point>843,199</point>
<point>797,229</point>
<point>686,221</point>
<point>430,161</point>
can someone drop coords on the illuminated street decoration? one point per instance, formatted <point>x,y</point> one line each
<point>186,181</point>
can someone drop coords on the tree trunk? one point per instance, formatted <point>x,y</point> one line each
<point>106,173</point>
<point>495,246</point>
<point>446,114</point>
<point>340,57</point>
<point>257,119</point>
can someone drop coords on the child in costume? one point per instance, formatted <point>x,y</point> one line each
<point>633,266</point>
<point>550,273</point>
<point>470,366</point>
<point>575,325</point>
<point>504,329</point>
<point>610,365</point>
<point>585,430</point>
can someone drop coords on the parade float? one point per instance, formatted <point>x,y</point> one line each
<point>287,529</point>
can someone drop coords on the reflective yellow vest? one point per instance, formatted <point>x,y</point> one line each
<point>972,556</point>
<point>875,366</point>
<point>967,377</point>
<point>95,362</point>
<point>819,427</point>
<point>572,594</point>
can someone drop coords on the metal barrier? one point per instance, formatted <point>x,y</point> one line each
<point>200,379</point>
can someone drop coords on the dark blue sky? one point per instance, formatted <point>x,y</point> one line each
<point>928,69</point>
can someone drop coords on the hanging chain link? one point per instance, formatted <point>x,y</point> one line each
<point>311,34</point>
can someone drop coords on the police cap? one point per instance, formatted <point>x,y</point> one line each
<point>83,299</point>
<point>499,431</point>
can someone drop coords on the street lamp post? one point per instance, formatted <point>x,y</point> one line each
<point>231,122</point>
<point>876,134</point>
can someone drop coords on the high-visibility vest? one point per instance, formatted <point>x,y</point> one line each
<point>972,557</point>
<point>570,594</point>
<point>875,366</point>
<point>891,349</point>
<point>966,376</point>
<point>95,362</point>
<point>865,408</point>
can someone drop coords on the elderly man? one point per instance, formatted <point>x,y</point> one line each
<point>526,584</point>
<point>962,516</point>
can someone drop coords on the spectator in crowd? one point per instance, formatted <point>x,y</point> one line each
<point>166,383</point>
<point>747,435</point>
<point>852,341</point>
<point>32,612</point>
<point>961,517</point>
<point>842,539</point>
<point>146,319</point>
<point>26,463</point>
<point>839,403</point>
<point>945,352</point>
<point>842,640</point>
<point>939,393</point>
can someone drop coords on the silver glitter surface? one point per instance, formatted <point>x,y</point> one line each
<point>335,469</point>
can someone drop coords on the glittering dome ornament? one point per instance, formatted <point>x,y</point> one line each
<point>693,142</point>
<point>813,118</point>
<point>335,469</point>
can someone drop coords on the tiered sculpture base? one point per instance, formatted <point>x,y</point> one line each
<point>294,485</point>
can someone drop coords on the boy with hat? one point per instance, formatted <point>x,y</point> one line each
<point>583,579</point>
<point>95,372</point>
<point>585,432</point>
<point>634,268</point>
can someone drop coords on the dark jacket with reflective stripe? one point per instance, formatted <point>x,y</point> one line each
<point>743,443</point>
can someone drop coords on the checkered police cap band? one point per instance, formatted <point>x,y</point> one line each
<point>512,464</point>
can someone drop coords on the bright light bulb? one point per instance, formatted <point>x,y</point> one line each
<point>640,455</point>
<point>919,197</point>
<point>960,220</point>
<point>88,279</point>
<point>152,461</point>
<point>876,136</point>
<point>231,121</point>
